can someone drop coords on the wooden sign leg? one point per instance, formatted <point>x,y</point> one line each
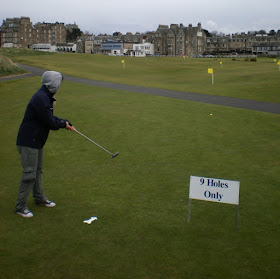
<point>189,210</point>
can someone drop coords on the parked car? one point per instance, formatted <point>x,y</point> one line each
<point>197,55</point>
<point>209,56</point>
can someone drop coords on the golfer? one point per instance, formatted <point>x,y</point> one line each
<point>33,132</point>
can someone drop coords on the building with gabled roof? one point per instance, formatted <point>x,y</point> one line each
<point>178,40</point>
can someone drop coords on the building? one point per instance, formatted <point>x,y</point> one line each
<point>89,46</point>
<point>127,47</point>
<point>65,47</point>
<point>178,40</point>
<point>49,33</point>
<point>43,47</point>
<point>216,45</point>
<point>112,47</point>
<point>132,38</point>
<point>160,40</point>
<point>266,49</point>
<point>80,46</point>
<point>142,50</point>
<point>173,40</point>
<point>238,43</point>
<point>251,43</point>
<point>17,32</point>
<point>97,43</point>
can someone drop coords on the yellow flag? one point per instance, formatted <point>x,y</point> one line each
<point>210,71</point>
<point>122,61</point>
<point>278,63</point>
<point>221,62</point>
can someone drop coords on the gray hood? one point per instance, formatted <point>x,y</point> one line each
<point>52,80</point>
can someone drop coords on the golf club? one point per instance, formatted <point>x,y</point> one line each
<point>112,155</point>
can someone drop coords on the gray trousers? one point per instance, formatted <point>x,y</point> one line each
<point>32,165</point>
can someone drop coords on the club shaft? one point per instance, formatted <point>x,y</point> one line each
<point>93,141</point>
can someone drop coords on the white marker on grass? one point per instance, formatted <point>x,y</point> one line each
<point>90,220</point>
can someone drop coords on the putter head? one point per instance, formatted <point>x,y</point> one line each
<point>114,155</point>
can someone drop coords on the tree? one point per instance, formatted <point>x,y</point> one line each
<point>272,32</point>
<point>208,34</point>
<point>73,35</point>
<point>262,32</point>
<point>117,34</point>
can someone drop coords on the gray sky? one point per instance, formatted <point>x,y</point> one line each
<point>108,16</point>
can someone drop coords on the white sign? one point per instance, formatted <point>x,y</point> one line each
<point>214,189</point>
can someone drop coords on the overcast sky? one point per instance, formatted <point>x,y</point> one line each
<point>108,16</point>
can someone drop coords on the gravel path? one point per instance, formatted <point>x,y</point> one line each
<point>196,97</point>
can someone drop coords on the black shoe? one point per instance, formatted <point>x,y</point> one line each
<point>47,203</point>
<point>25,213</point>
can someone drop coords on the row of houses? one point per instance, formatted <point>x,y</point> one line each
<point>140,46</point>
<point>173,40</point>
<point>20,32</point>
<point>108,47</point>
<point>178,40</point>
<point>252,42</point>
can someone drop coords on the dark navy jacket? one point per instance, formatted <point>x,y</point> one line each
<point>38,120</point>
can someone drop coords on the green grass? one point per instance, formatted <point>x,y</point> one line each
<point>7,67</point>
<point>238,79</point>
<point>141,197</point>
<point>15,52</point>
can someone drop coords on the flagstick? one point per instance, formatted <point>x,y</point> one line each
<point>211,71</point>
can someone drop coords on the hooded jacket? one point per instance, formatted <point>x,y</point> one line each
<point>38,119</point>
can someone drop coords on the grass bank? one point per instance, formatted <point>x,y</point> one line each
<point>7,56</point>
<point>15,52</point>
<point>7,67</point>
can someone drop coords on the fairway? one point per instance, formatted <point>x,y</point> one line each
<point>235,78</point>
<point>141,196</point>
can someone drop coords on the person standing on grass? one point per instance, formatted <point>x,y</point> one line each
<point>33,132</point>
